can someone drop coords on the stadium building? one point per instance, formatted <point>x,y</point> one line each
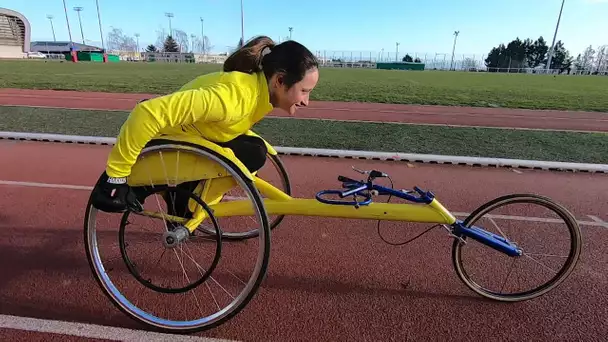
<point>61,47</point>
<point>14,34</point>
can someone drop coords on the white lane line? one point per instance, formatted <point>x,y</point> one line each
<point>89,109</point>
<point>597,222</point>
<point>533,219</point>
<point>93,331</point>
<point>76,187</point>
<point>46,185</point>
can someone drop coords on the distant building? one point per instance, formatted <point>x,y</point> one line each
<point>14,34</point>
<point>51,47</point>
<point>183,57</point>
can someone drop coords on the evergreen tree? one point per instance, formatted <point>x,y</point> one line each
<point>170,45</point>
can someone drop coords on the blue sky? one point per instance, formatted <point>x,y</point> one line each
<point>336,25</point>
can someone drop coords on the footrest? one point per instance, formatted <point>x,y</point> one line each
<point>320,194</point>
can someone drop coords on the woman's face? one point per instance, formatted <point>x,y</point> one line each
<point>296,96</point>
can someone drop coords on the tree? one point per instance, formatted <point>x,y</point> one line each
<point>497,58</point>
<point>602,58</point>
<point>117,40</point>
<point>537,53</point>
<point>151,48</point>
<point>519,54</point>
<point>586,61</point>
<point>160,40</point>
<point>561,57</point>
<point>170,45</point>
<point>417,60</point>
<point>518,50</point>
<point>578,62</point>
<point>408,58</point>
<point>468,64</point>
<point>181,38</point>
<point>198,44</point>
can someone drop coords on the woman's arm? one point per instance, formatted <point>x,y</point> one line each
<point>215,103</point>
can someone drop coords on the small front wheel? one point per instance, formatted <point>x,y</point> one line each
<point>547,233</point>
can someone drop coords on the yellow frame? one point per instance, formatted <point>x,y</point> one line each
<point>276,202</point>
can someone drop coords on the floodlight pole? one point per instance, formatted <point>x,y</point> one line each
<point>552,50</point>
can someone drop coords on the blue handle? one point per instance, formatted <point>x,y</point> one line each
<point>352,191</point>
<point>368,198</point>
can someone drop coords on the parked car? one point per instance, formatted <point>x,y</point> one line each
<point>35,54</point>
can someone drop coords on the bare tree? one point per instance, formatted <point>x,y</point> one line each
<point>468,64</point>
<point>587,58</point>
<point>160,39</point>
<point>601,64</point>
<point>198,45</point>
<point>181,38</point>
<point>117,40</point>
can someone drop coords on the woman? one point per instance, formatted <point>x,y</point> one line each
<point>220,107</point>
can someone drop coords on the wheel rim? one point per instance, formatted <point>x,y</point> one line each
<point>126,305</point>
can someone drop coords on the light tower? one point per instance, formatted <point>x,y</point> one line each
<point>50,18</point>
<point>78,10</point>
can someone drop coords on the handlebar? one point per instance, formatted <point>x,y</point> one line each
<point>368,197</point>
<point>355,187</point>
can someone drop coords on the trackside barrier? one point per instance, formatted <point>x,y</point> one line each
<point>350,154</point>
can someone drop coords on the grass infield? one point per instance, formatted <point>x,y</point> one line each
<point>589,93</point>
<point>386,137</point>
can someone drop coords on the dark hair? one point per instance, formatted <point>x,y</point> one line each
<point>290,58</point>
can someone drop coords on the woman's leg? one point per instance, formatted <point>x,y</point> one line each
<point>251,151</point>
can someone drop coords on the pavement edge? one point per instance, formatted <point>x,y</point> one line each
<point>350,154</point>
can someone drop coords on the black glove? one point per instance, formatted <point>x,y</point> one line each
<point>114,195</point>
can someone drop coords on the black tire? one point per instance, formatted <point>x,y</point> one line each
<point>238,304</point>
<point>571,261</point>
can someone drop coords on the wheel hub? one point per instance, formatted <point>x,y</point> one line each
<point>173,238</point>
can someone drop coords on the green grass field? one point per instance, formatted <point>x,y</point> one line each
<point>478,142</point>
<point>385,86</point>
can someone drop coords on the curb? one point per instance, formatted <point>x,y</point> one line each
<point>350,154</point>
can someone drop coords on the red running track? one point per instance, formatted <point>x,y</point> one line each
<point>328,279</point>
<point>437,115</point>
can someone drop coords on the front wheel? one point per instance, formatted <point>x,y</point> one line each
<point>550,241</point>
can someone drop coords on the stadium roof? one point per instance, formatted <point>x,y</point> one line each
<point>61,47</point>
<point>7,33</point>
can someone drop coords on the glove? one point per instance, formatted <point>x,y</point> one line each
<point>114,195</point>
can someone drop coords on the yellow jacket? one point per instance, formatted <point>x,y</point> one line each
<point>221,106</point>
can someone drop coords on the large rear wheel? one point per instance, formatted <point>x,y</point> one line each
<point>180,285</point>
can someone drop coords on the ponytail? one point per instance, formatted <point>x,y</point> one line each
<point>248,58</point>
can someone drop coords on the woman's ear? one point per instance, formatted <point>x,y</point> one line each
<point>279,79</point>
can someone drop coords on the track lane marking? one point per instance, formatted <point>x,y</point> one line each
<point>93,330</point>
<point>599,221</point>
